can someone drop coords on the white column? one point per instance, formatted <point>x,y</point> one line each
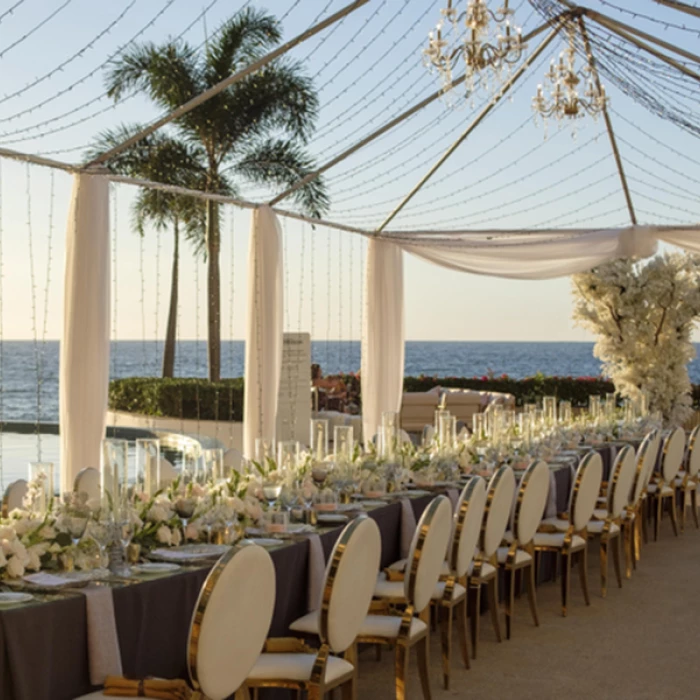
<point>263,346</point>
<point>84,359</point>
<point>383,343</point>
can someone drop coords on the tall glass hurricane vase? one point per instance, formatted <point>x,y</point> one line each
<point>114,474</point>
<point>148,466</point>
<point>40,493</point>
<point>343,443</point>
<point>389,434</point>
<point>319,438</point>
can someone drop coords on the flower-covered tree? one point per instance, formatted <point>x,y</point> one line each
<point>643,315</point>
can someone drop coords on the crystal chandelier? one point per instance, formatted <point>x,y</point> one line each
<point>491,40</point>
<point>562,87</point>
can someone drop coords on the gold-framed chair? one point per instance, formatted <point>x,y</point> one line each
<point>409,599</point>
<point>499,503</point>
<point>662,487</point>
<point>607,522</point>
<point>517,553</point>
<point>347,592</point>
<point>568,538</point>
<point>688,480</point>
<point>87,481</point>
<point>14,496</point>
<point>238,595</point>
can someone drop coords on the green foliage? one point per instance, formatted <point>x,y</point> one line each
<point>179,397</point>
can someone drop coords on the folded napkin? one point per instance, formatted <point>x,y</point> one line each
<point>317,572</point>
<point>408,526</point>
<point>104,655</point>
<point>116,686</point>
<point>453,495</point>
<point>47,580</point>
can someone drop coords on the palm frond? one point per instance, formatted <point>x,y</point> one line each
<point>285,163</point>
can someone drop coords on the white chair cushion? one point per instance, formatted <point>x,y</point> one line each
<point>596,527</point>
<point>603,500</point>
<point>457,592</point>
<point>308,624</point>
<point>521,556</point>
<point>389,589</point>
<point>556,539</point>
<point>561,525</point>
<point>508,537</point>
<point>487,570</point>
<point>387,626</point>
<point>600,513</point>
<point>296,667</point>
<point>665,491</point>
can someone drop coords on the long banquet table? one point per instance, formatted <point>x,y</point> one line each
<point>43,644</point>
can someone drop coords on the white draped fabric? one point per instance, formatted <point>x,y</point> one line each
<point>263,348</point>
<point>383,344</point>
<point>84,358</point>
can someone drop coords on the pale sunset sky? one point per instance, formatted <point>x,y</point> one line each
<point>507,175</point>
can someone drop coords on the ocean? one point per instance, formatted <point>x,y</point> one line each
<point>24,398</point>
<point>21,401</point>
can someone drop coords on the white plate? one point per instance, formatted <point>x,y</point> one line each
<point>15,598</point>
<point>373,504</point>
<point>261,541</point>
<point>190,552</point>
<point>417,493</point>
<point>155,567</point>
<point>332,518</point>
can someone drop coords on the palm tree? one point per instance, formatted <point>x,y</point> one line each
<point>160,157</point>
<point>255,130</point>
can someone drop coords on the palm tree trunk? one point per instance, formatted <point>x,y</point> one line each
<point>213,292</point>
<point>171,330</point>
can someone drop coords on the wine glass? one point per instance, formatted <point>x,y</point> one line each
<point>289,498</point>
<point>271,491</point>
<point>185,507</point>
<point>77,524</point>
<point>101,531</point>
<point>125,533</point>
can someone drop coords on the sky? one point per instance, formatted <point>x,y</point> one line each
<point>367,70</point>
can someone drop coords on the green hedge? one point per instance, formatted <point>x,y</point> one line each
<point>200,398</point>
<point>178,398</point>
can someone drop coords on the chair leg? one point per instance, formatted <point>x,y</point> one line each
<point>694,506</point>
<point>349,690</point>
<point>616,553</point>
<point>532,595</point>
<point>603,565</point>
<point>643,517</point>
<point>684,508</point>
<point>446,638</point>
<point>510,598</point>
<point>461,613</point>
<point>402,652</point>
<point>493,607</point>
<point>422,652</point>
<point>476,617</point>
<point>674,513</point>
<point>583,574</point>
<point>565,581</point>
<point>628,535</point>
<point>659,514</point>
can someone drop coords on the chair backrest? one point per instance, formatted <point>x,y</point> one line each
<point>87,481</point>
<point>621,482</point>
<point>694,453</point>
<point>643,458</point>
<point>499,503</point>
<point>404,437</point>
<point>231,621</point>
<point>428,434</point>
<point>14,496</point>
<point>167,473</point>
<point>467,525</point>
<point>234,459</point>
<point>674,451</point>
<point>654,456</point>
<point>350,579</point>
<point>427,552</point>
<point>584,494</point>
<point>531,502</point>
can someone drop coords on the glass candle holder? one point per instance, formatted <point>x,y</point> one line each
<point>565,412</point>
<point>446,428</point>
<point>264,450</point>
<point>40,493</point>
<point>214,464</point>
<point>276,521</point>
<point>148,466</point>
<point>388,434</point>
<point>343,443</point>
<point>594,407</point>
<point>319,438</point>
<point>479,426</point>
<point>549,407</point>
<point>114,474</point>
<point>326,500</point>
<point>288,455</point>
<point>374,486</point>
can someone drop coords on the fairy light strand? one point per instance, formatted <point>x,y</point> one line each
<point>34,29</point>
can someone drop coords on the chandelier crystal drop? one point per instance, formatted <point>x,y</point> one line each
<point>489,43</point>
<point>560,97</point>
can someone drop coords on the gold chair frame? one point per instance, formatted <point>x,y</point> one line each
<point>688,486</point>
<point>403,641</point>
<point>567,553</point>
<point>658,498</point>
<point>316,687</point>
<point>510,567</point>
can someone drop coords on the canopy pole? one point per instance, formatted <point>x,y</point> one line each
<point>492,103</point>
<point>681,7</point>
<point>227,82</point>
<point>608,123</point>
<point>617,27</point>
<point>386,127</point>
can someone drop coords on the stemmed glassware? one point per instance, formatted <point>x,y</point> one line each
<point>272,491</point>
<point>125,532</point>
<point>101,531</point>
<point>185,507</point>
